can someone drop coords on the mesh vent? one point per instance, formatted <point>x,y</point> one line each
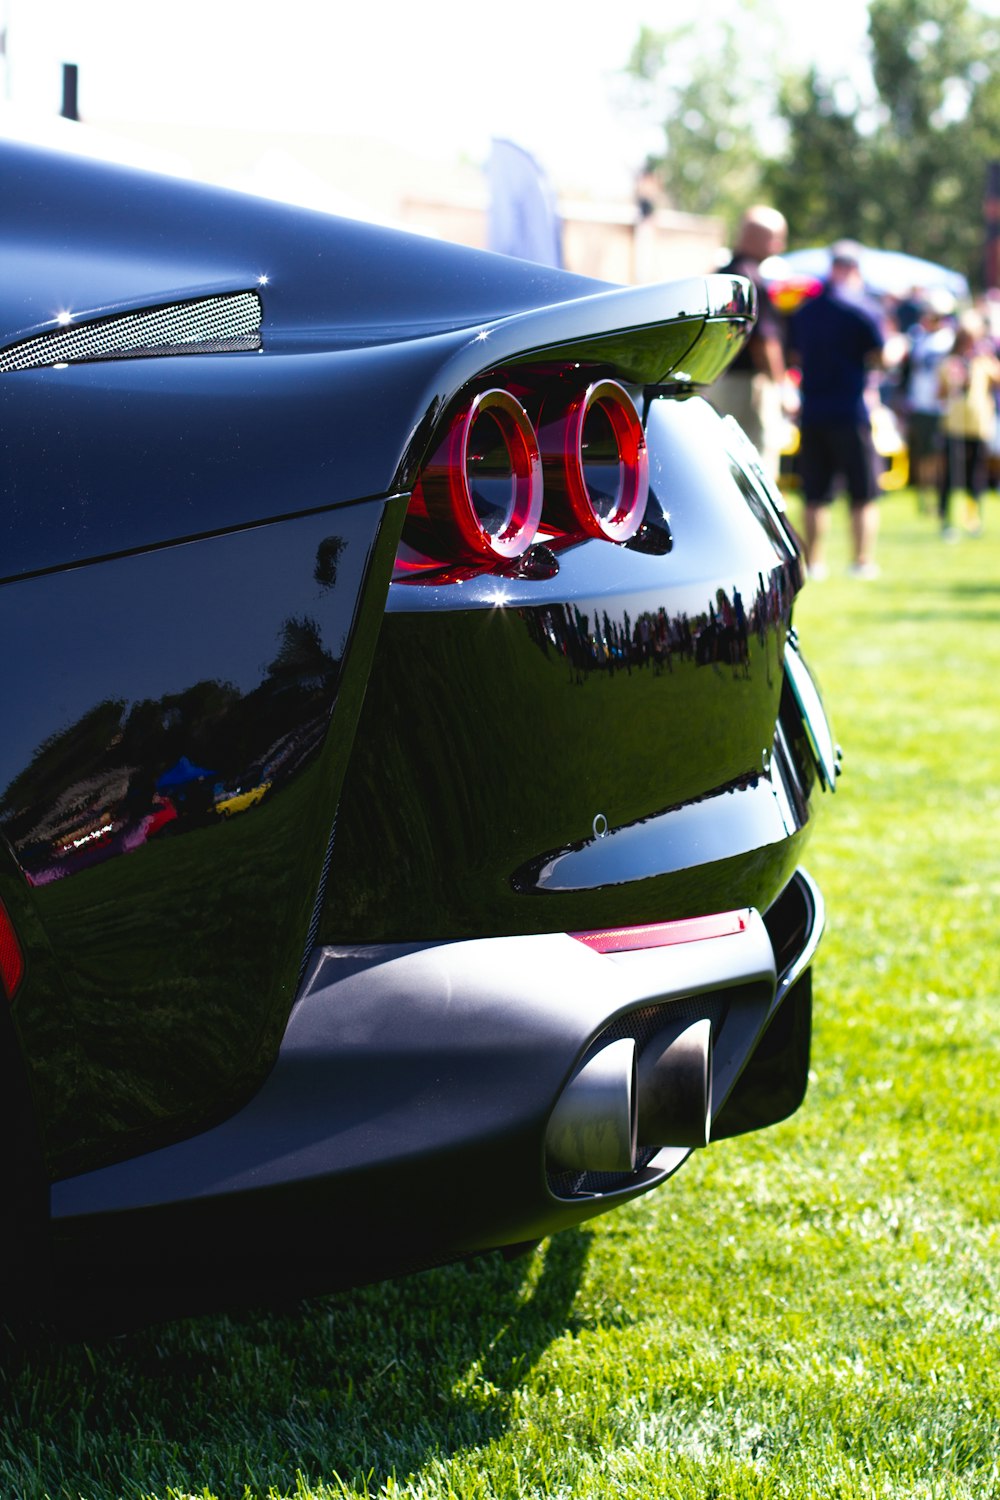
<point>212,325</point>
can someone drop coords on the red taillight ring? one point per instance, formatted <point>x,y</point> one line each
<point>11,959</point>
<point>449,480</point>
<point>562,442</point>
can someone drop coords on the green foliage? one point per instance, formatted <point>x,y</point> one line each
<point>821,203</point>
<point>902,165</point>
<point>918,152</point>
<point>808,1312</point>
<point>714,96</point>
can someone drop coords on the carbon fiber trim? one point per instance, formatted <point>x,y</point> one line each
<point>211,325</point>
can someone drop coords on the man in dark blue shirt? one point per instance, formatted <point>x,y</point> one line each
<point>837,338</point>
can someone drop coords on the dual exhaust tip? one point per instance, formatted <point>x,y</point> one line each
<point>619,1101</point>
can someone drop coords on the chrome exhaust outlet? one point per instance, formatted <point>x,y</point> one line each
<point>593,1126</point>
<point>675,1086</point>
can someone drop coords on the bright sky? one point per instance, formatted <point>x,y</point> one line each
<point>442,75</point>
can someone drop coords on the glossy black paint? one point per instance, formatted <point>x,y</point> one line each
<point>180,932</point>
<point>105,459</point>
<point>85,236</point>
<point>340,403</point>
<point>230,738</point>
<point>556,754</point>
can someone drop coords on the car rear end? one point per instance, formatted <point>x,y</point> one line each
<point>499,612</point>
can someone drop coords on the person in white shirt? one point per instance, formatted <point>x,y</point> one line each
<point>930,339</point>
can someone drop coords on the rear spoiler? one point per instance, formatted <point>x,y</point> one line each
<point>671,337</point>
<point>678,333</point>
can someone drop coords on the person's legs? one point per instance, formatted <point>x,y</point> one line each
<point>818,476</point>
<point>767,402</point>
<point>817,520</point>
<point>924,443</point>
<point>860,466</point>
<point>732,395</point>
<point>864,533</point>
<point>952,464</point>
<point>975,468</point>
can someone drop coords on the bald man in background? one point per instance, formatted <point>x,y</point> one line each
<point>751,389</point>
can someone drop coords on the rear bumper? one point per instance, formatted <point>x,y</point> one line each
<point>405,1120</point>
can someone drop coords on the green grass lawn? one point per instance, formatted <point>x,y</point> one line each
<point>813,1311</point>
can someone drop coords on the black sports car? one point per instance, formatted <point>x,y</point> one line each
<point>407,755</point>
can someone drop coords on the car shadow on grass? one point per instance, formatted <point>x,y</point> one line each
<point>361,1385</point>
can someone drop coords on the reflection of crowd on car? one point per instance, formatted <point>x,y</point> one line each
<point>717,636</point>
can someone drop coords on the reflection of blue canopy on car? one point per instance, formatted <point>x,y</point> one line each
<point>886,272</point>
<point>180,774</point>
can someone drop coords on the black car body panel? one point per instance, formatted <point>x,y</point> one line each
<point>297,821</point>
<point>627,691</point>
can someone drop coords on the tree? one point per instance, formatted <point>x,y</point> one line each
<point>817,182</point>
<point>905,170</point>
<point>716,100</point>
<point>900,164</point>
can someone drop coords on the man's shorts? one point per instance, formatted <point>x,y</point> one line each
<point>835,455</point>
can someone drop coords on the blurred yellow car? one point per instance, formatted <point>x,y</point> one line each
<point>890,445</point>
<point>238,802</point>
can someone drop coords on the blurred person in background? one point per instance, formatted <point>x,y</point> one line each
<point>751,388</point>
<point>967,383</point>
<point>988,306</point>
<point>838,338</point>
<point>930,339</point>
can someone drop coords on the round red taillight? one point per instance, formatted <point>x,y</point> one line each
<point>11,959</point>
<point>484,483</point>
<point>595,463</point>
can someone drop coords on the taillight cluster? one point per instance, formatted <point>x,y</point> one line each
<point>500,480</point>
<point>11,959</point>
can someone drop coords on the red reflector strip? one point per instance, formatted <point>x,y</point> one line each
<point>11,960</point>
<point>664,934</point>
